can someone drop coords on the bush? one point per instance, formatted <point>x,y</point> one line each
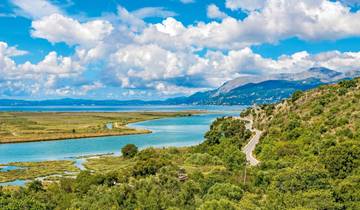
<point>218,204</point>
<point>348,83</point>
<point>296,95</point>
<point>226,191</point>
<point>203,159</point>
<point>234,159</point>
<point>149,167</point>
<point>35,186</point>
<point>318,109</point>
<point>129,150</point>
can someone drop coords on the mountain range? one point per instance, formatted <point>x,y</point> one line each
<point>245,90</point>
<point>265,89</point>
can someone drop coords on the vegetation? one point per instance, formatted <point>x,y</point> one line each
<point>311,149</point>
<point>182,178</point>
<point>309,153</point>
<point>129,151</point>
<point>32,170</point>
<point>42,126</point>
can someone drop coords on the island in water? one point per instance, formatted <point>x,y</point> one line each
<point>18,127</point>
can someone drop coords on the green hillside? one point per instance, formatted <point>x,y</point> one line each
<point>309,159</point>
<point>310,150</point>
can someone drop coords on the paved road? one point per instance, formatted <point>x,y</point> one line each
<point>250,147</point>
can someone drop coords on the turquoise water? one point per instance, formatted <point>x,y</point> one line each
<point>9,168</point>
<point>14,183</point>
<point>181,131</point>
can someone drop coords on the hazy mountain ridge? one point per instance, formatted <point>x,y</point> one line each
<point>265,89</point>
<point>240,91</point>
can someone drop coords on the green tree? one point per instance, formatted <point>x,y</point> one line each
<point>129,151</point>
<point>296,95</point>
<point>233,158</point>
<point>35,186</point>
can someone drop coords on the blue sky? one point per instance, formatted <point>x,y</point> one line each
<point>152,49</point>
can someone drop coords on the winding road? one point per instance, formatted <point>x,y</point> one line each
<point>250,147</point>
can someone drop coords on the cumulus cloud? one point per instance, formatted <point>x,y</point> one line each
<point>133,67</point>
<point>214,12</point>
<point>39,78</point>
<point>142,69</point>
<point>277,20</point>
<point>163,58</point>
<point>10,51</point>
<point>149,62</point>
<point>35,8</point>
<point>58,28</point>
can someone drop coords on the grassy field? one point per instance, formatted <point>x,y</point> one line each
<point>43,126</point>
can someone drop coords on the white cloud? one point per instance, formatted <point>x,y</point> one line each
<point>277,20</point>
<point>147,12</point>
<point>247,62</point>
<point>35,8</point>
<point>134,22</point>
<point>53,64</point>
<point>7,65</point>
<point>58,28</point>
<point>10,51</point>
<point>134,19</point>
<point>152,67</point>
<point>163,58</point>
<point>246,5</point>
<point>146,63</point>
<point>214,12</point>
<point>40,78</point>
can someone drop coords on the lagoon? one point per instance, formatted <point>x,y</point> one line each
<point>180,131</point>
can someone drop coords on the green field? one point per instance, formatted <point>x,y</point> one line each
<point>42,126</point>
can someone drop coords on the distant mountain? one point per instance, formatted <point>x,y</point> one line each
<point>240,91</point>
<point>264,92</point>
<point>323,74</point>
<point>265,89</point>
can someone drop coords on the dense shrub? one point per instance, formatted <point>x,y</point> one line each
<point>203,159</point>
<point>342,159</point>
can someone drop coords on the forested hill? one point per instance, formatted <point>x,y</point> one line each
<point>310,150</point>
